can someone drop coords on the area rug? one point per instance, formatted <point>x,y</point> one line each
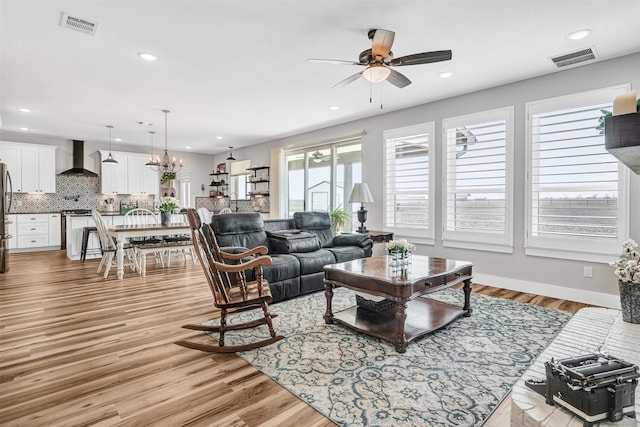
<point>455,376</point>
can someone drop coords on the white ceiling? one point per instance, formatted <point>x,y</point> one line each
<point>238,68</point>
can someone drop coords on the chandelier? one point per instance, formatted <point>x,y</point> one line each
<point>166,163</point>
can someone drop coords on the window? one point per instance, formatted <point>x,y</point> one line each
<point>238,179</point>
<point>408,191</point>
<point>185,190</point>
<point>478,181</point>
<point>321,177</point>
<point>577,196</point>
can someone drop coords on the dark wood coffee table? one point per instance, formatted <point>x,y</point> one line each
<point>409,317</point>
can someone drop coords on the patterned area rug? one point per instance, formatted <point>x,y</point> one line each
<point>455,376</point>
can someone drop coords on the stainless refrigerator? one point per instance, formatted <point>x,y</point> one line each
<point>6,191</point>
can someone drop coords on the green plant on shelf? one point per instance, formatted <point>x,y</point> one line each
<point>166,177</point>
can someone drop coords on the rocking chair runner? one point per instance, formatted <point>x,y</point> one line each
<point>230,294</point>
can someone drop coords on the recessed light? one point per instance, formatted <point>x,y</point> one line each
<point>580,34</point>
<point>188,148</point>
<point>147,56</point>
<point>218,137</point>
<point>445,74</point>
<point>334,108</point>
<point>117,139</point>
<point>24,110</point>
<point>23,128</point>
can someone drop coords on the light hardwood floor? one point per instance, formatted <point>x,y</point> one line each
<point>76,349</point>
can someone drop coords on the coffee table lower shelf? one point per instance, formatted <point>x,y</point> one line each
<point>423,316</point>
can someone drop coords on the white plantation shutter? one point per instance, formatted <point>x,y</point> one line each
<point>408,200</point>
<point>577,190</point>
<point>477,207</point>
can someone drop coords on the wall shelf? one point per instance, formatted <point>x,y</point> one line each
<point>219,184</point>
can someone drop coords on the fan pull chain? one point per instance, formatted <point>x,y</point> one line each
<point>370,92</point>
<point>381,84</point>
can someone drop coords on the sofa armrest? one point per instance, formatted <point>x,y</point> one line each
<point>355,239</point>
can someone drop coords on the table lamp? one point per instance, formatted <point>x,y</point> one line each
<point>361,194</point>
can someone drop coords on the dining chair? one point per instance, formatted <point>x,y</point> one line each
<point>231,297</point>
<point>205,215</point>
<point>179,244</point>
<point>225,211</point>
<point>144,246</point>
<point>109,248</point>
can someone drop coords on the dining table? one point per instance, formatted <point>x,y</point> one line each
<point>122,233</point>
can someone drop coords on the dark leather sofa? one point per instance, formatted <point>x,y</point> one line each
<point>299,247</point>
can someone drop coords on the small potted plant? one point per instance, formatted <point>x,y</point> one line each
<point>339,218</point>
<point>627,269</point>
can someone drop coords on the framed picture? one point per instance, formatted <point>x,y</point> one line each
<point>221,168</point>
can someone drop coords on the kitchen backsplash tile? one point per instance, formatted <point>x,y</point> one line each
<point>75,192</point>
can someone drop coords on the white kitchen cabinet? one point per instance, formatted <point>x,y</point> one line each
<point>141,179</point>
<point>13,231</point>
<point>114,176</point>
<point>34,231</point>
<point>11,154</point>
<point>55,228</point>
<point>32,166</point>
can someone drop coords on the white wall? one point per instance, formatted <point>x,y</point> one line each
<point>537,275</point>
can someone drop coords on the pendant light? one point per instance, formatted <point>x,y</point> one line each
<point>110,160</point>
<point>167,164</point>
<point>152,163</point>
<point>230,154</point>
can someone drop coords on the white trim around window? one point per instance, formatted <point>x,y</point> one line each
<point>577,194</point>
<point>409,182</point>
<point>477,182</point>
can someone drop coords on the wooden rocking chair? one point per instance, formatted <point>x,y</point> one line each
<point>230,289</point>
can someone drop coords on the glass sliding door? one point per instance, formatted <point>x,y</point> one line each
<point>321,178</point>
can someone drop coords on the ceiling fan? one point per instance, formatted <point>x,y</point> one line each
<point>379,59</point>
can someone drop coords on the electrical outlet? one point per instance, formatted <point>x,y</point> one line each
<point>19,203</point>
<point>588,271</point>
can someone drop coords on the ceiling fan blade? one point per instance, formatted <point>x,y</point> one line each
<point>382,41</point>
<point>397,79</point>
<point>422,58</point>
<point>334,61</point>
<point>348,80</point>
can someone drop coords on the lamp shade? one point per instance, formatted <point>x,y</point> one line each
<point>360,194</point>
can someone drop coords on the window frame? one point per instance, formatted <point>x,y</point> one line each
<point>481,240</point>
<point>417,235</point>
<point>598,250</point>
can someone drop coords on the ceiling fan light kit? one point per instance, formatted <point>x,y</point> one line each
<point>376,73</point>
<point>379,61</point>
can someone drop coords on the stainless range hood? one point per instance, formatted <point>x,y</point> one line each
<point>78,162</point>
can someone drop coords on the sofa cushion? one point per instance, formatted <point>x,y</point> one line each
<point>240,229</point>
<point>318,223</point>
<point>313,262</point>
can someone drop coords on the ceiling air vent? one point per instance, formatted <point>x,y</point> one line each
<point>574,57</point>
<point>79,24</point>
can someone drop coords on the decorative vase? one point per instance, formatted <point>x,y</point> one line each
<point>165,218</point>
<point>630,301</point>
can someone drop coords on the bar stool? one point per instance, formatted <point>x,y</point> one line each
<point>85,241</point>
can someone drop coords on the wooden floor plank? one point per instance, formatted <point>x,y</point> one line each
<point>76,349</point>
